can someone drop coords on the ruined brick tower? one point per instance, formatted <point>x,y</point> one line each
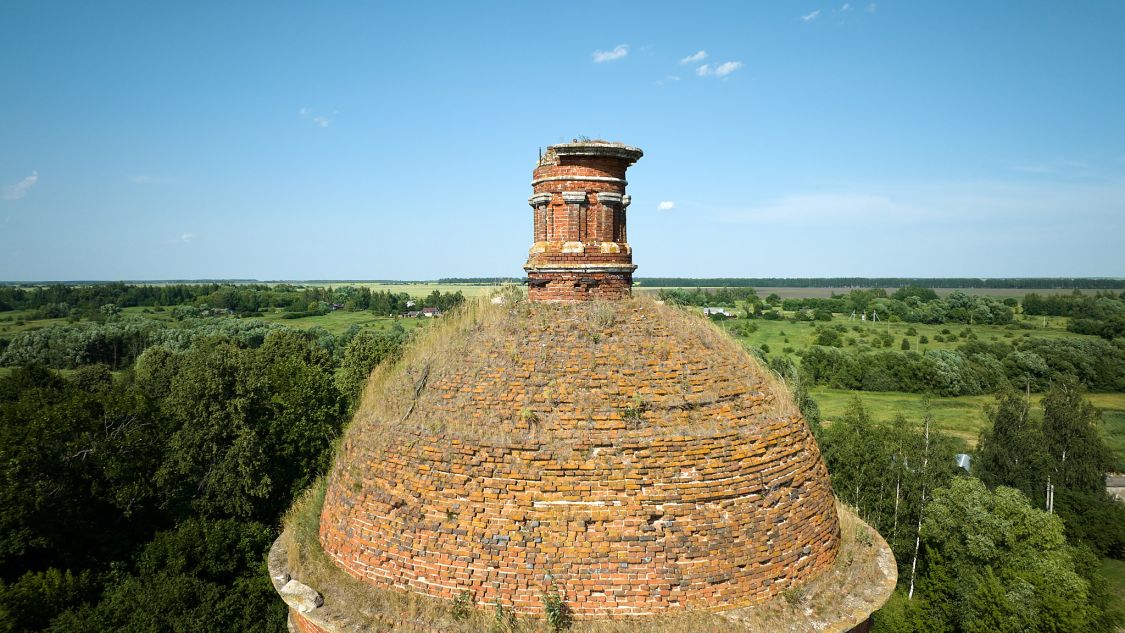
<point>629,455</point>
<point>581,251</point>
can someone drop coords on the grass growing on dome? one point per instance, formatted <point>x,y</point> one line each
<point>483,346</point>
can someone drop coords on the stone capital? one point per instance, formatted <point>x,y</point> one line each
<point>539,199</point>
<point>626,200</point>
<point>609,197</point>
<point>574,197</point>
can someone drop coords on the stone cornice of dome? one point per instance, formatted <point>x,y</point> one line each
<point>599,149</point>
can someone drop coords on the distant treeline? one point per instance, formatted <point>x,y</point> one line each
<point>480,281</point>
<point>57,301</point>
<point>974,368</point>
<point>912,304</point>
<point>884,282</point>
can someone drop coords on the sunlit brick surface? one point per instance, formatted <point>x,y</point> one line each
<point>633,457</point>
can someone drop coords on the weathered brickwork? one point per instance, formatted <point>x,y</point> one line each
<point>636,459</point>
<point>581,249</point>
<point>303,625</point>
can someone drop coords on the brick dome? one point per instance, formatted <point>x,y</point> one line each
<point>626,452</point>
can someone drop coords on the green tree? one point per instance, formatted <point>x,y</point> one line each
<point>1010,563</point>
<point>1010,451</point>
<point>828,338</point>
<point>31,602</point>
<point>252,425</point>
<point>203,576</point>
<point>1079,456</point>
<point>989,610</point>
<point>363,353</point>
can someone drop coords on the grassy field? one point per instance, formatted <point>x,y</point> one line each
<point>1114,571</point>
<point>419,289</point>
<point>16,321</point>
<point>963,416</point>
<point>780,335</point>
<point>339,321</point>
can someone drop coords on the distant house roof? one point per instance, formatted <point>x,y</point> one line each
<point>964,460</point>
<point>709,311</point>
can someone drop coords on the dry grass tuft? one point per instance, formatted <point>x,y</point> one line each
<point>481,340</point>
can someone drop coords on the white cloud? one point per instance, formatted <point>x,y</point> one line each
<point>667,80</point>
<point>847,7</point>
<point>618,52</point>
<point>20,189</point>
<point>809,17</point>
<point>871,8</point>
<point>666,205</point>
<point>318,120</point>
<point>727,68</point>
<point>722,70</point>
<point>694,57</point>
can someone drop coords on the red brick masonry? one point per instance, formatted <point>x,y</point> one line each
<point>635,465</point>
<point>580,249</point>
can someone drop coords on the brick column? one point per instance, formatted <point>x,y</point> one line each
<point>607,216</point>
<point>538,204</point>
<point>575,218</point>
<point>580,250</point>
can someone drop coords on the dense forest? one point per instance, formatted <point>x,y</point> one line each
<point>146,500</point>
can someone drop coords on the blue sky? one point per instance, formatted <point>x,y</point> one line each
<point>364,140</point>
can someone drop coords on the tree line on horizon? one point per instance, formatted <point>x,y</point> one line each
<point>1029,283</point>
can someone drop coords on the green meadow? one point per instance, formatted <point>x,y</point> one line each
<point>1114,571</point>
<point>780,336</point>
<point>963,416</point>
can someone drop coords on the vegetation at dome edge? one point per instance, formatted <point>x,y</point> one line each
<point>151,436</point>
